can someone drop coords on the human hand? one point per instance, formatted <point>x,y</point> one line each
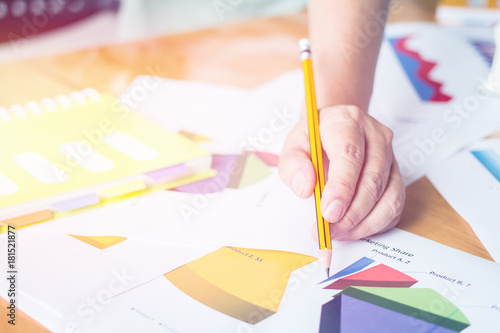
<point>364,193</point>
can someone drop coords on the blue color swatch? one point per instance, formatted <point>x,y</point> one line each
<point>490,160</point>
<point>356,267</point>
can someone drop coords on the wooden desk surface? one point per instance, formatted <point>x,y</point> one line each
<point>246,55</point>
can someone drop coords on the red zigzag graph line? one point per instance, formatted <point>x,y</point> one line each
<point>423,71</point>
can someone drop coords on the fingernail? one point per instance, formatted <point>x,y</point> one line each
<point>298,183</point>
<point>334,211</point>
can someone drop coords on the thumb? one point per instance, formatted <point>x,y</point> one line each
<point>295,167</point>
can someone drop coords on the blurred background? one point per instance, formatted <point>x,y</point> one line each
<point>30,28</point>
<point>34,28</point>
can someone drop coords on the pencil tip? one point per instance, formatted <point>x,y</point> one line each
<point>327,272</point>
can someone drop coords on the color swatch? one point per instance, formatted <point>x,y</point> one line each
<point>233,171</point>
<point>271,160</point>
<point>192,136</point>
<point>224,165</point>
<point>248,170</point>
<point>353,268</point>
<point>379,299</point>
<point>490,159</point>
<point>373,309</point>
<point>25,220</point>
<point>378,276</point>
<point>486,49</point>
<point>100,242</point>
<point>418,69</point>
<point>242,283</point>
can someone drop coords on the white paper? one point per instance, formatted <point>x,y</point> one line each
<point>473,191</point>
<point>160,302</point>
<point>235,119</point>
<point>455,68</point>
<point>266,215</point>
<point>66,274</point>
<point>419,144</point>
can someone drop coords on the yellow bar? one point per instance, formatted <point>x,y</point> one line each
<point>25,220</point>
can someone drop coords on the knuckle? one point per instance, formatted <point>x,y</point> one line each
<point>351,219</point>
<point>344,187</point>
<point>374,185</point>
<point>363,230</point>
<point>388,135</point>
<point>396,203</point>
<point>353,155</point>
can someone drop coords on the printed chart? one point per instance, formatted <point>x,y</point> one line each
<point>490,159</point>
<point>355,267</point>
<point>418,71</point>
<point>100,242</point>
<point>470,183</point>
<point>242,283</point>
<point>395,282</point>
<point>378,276</point>
<point>486,49</point>
<point>234,171</point>
<point>379,299</point>
<point>193,136</point>
<point>380,309</point>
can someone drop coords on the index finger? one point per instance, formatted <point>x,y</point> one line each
<point>343,140</point>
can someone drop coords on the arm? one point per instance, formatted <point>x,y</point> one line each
<point>345,38</point>
<point>365,192</point>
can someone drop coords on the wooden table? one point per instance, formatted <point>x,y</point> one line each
<point>245,54</point>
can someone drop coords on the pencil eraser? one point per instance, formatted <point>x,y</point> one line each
<point>304,45</point>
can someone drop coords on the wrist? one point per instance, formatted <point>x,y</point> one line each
<point>336,107</point>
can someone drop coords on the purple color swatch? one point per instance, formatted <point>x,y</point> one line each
<point>84,201</point>
<point>167,172</point>
<point>346,314</point>
<point>224,165</point>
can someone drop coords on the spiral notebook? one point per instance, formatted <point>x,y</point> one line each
<point>84,149</point>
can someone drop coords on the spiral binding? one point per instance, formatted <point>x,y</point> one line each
<point>79,98</point>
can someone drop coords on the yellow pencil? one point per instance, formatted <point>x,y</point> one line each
<point>325,243</point>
